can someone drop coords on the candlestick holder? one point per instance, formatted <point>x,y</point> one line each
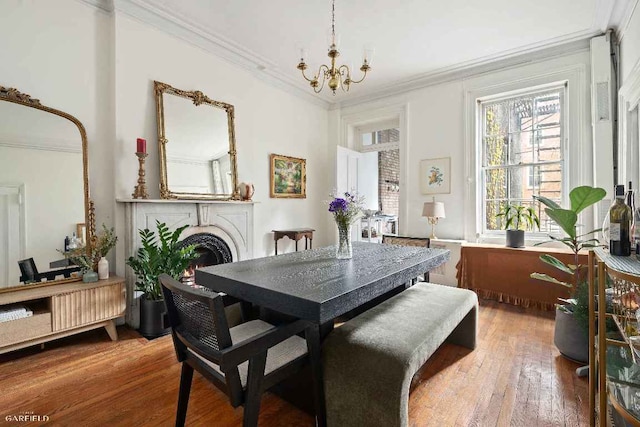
<point>140,192</point>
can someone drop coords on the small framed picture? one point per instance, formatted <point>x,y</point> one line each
<point>288,176</point>
<point>435,176</point>
<point>81,233</point>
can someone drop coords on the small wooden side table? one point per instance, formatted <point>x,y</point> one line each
<point>295,234</point>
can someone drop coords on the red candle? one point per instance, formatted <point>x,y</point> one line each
<point>142,145</point>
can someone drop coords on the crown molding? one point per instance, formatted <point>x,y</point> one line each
<point>260,67</point>
<point>39,143</point>
<point>473,68</point>
<point>625,20</point>
<point>145,11</point>
<point>103,5</point>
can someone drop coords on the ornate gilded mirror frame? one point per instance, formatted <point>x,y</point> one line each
<point>17,97</point>
<point>198,98</point>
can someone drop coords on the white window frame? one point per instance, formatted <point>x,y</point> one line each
<point>481,178</point>
<point>579,154</point>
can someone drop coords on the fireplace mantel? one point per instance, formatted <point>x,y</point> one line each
<point>230,220</point>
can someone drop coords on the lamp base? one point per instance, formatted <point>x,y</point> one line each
<point>433,221</point>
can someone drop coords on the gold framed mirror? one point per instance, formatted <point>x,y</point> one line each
<point>44,186</point>
<point>197,146</point>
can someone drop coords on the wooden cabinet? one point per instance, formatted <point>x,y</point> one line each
<point>614,353</point>
<point>62,310</point>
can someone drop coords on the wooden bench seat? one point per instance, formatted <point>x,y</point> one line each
<point>370,360</point>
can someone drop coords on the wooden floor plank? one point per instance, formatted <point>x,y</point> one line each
<point>514,377</point>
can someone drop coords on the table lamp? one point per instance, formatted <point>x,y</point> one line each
<point>433,211</point>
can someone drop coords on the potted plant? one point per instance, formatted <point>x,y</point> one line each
<point>570,337</point>
<point>87,258</point>
<point>517,218</point>
<point>158,254</point>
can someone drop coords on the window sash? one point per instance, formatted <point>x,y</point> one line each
<point>537,129</point>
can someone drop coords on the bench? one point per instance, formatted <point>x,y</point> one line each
<point>370,360</point>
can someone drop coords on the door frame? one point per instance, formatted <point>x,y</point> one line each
<point>355,117</point>
<point>22,241</point>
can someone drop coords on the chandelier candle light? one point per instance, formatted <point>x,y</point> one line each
<point>433,211</point>
<point>337,76</point>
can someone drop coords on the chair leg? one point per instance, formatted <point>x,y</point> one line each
<point>254,390</point>
<point>315,356</point>
<point>183,398</point>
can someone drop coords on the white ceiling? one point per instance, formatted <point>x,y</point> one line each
<point>412,39</point>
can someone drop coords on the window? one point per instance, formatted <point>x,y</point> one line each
<point>521,148</point>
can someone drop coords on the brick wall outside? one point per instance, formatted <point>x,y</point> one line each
<point>389,170</point>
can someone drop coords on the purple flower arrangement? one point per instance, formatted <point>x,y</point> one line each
<point>346,208</point>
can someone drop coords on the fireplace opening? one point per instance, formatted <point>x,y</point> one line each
<point>211,250</point>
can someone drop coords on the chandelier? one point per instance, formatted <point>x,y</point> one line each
<point>336,76</point>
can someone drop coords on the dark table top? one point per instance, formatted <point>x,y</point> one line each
<point>316,286</point>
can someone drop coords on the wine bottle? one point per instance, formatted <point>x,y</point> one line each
<point>631,202</point>
<point>619,227</point>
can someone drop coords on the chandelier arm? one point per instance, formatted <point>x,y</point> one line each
<point>307,78</point>
<point>345,83</point>
<point>363,76</point>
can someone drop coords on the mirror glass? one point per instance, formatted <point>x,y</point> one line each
<point>197,147</point>
<point>196,140</point>
<point>42,193</point>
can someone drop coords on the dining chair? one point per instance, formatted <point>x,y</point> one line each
<point>423,242</point>
<point>242,361</point>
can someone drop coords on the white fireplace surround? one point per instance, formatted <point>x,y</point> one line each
<point>230,220</point>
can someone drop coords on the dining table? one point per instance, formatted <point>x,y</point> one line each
<point>316,286</point>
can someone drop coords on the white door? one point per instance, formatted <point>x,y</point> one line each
<point>347,178</point>
<point>12,240</point>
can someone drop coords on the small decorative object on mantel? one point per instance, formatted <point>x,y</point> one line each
<point>288,177</point>
<point>345,211</point>
<point>140,192</point>
<point>89,259</point>
<point>246,191</point>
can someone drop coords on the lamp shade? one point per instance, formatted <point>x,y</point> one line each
<point>433,210</point>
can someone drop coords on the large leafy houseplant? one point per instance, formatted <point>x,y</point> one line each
<point>581,198</point>
<point>571,324</point>
<point>160,254</point>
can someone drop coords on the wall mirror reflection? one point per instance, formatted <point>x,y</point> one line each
<point>197,145</point>
<point>43,186</point>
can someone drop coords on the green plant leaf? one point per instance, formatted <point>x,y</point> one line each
<point>556,263</point>
<point>548,202</point>
<point>547,278</point>
<point>585,196</point>
<point>565,218</point>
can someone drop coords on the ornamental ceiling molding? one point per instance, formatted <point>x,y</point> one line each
<point>608,13</point>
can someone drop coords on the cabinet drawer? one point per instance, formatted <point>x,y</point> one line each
<point>87,306</point>
<point>19,330</point>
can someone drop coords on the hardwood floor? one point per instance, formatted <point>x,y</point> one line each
<point>514,377</point>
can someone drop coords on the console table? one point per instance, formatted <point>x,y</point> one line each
<point>61,310</point>
<point>295,234</point>
<point>502,274</point>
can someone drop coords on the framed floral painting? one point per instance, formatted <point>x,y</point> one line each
<point>288,177</point>
<point>435,176</point>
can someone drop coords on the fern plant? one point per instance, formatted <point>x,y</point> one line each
<point>160,254</point>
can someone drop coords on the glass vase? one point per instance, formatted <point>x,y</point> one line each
<point>344,249</point>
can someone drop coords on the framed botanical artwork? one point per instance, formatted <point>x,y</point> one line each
<point>435,176</point>
<point>288,177</point>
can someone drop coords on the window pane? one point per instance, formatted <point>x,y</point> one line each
<point>367,138</point>
<point>522,140</point>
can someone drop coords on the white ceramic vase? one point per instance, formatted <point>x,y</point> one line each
<point>103,268</point>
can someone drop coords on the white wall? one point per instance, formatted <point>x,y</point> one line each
<point>268,120</point>
<point>100,67</point>
<point>436,125</point>
<point>60,53</point>
<point>630,44</point>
